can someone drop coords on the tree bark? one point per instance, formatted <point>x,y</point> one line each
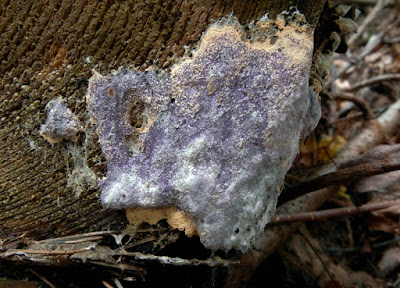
<point>48,50</point>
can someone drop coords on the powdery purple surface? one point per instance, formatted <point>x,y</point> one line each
<point>218,133</point>
<point>61,123</point>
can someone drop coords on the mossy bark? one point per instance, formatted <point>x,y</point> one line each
<point>48,49</point>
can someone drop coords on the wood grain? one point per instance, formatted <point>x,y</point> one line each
<point>48,49</point>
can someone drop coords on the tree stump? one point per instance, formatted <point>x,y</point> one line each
<point>48,50</point>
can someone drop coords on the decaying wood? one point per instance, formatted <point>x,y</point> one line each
<point>48,50</point>
<point>67,251</point>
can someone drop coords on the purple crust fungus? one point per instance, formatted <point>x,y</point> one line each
<point>216,134</point>
<point>60,124</point>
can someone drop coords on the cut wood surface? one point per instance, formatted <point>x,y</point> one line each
<point>48,49</point>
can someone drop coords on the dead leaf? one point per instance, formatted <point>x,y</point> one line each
<point>389,262</point>
<point>324,150</point>
<point>385,186</point>
<point>380,152</point>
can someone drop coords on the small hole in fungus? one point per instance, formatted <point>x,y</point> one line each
<point>136,115</point>
<point>172,100</point>
<point>111,92</point>
<point>237,231</point>
<point>273,39</point>
<point>123,195</point>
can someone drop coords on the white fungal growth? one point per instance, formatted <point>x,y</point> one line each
<point>61,123</point>
<point>222,128</point>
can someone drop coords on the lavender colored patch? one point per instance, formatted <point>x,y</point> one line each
<point>218,132</point>
<point>60,124</point>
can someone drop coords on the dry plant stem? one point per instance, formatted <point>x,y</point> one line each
<point>374,133</point>
<point>117,283</point>
<point>353,118</point>
<point>368,113</point>
<point>337,212</point>
<point>317,253</point>
<point>96,238</point>
<point>42,278</point>
<point>119,266</point>
<point>176,261</point>
<point>106,284</point>
<point>140,242</point>
<point>294,261</point>
<point>371,16</point>
<point>346,175</point>
<point>352,249</point>
<point>374,80</point>
<point>51,257</point>
<point>392,40</point>
<point>11,252</point>
<point>77,237</point>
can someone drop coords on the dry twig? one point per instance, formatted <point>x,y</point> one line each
<point>78,237</point>
<point>11,252</point>
<point>330,213</point>
<point>119,266</point>
<point>106,284</point>
<point>364,107</point>
<point>91,254</point>
<point>373,81</point>
<point>346,175</point>
<point>176,261</point>
<point>41,277</point>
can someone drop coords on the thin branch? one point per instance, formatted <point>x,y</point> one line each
<point>361,104</point>
<point>106,284</point>
<point>11,252</point>
<point>356,249</point>
<point>27,254</point>
<point>77,236</point>
<point>294,260</point>
<point>392,40</point>
<point>41,277</point>
<point>374,80</point>
<point>330,213</point>
<point>346,175</point>
<point>317,253</point>
<point>118,283</point>
<point>88,239</point>
<point>119,266</point>
<point>177,261</point>
<point>140,242</point>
